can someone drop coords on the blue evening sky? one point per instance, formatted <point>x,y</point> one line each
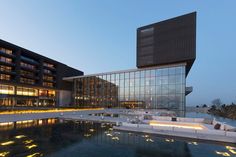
<point>100,35</point>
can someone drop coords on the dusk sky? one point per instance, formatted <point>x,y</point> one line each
<point>100,36</point>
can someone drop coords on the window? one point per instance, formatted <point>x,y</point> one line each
<point>27,81</point>
<point>146,41</point>
<point>47,71</point>
<point>146,31</point>
<point>7,51</point>
<point>48,78</point>
<point>48,65</point>
<point>26,91</point>
<point>26,73</point>
<point>5,68</point>
<point>5,77</point>
<point>28,59</point>
<point>48,84</point>
<point>27,65</point>
<point>47,93</point>
<point>5,59</point>
<point>5,89</point>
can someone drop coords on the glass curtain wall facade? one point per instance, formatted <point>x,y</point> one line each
<point>154,88</point>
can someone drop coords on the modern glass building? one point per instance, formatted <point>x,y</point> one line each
<point>166,51</point>
<point>149,88</point>
<point>165,54</point>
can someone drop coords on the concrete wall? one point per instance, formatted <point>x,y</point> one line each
<point>64,98</point>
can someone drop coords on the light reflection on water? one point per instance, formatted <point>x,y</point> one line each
<point>55,138</point>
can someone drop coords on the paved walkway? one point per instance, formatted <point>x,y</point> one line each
<point>33,116</point>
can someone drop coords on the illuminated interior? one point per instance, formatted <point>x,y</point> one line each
<point>6,89</point>
<point>25,96</point>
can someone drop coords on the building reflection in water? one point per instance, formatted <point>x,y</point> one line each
<point>53,137</point>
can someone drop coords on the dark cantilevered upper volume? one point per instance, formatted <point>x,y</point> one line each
<point>167,42</point>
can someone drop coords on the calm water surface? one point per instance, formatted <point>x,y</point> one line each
<point>56,138</point>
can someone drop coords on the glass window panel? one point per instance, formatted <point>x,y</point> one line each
<point>131,74</point>
<point>137,82</point>
<point>171,89</point>
<point>142,81</point>
<point>126,83</point>
<point>172,71</point>
<point>117,76</point>
<point>152,81</point>
<point>153,90</point>
<point>127,75</point>
<point>171,79</point>
<point>179,79</point>
<point>122,83</point>
<point>108,78</point>
<point>113,76</point>
<point>158,80</point>
<point>131,83</point>
<point>142,90</point>
<point>148,73</point>
<point>153,73</point>
<point>147,90</point>
<point>164,89</point>
<point>158,90</point>
<point>179,70</point>
<point>164,79</point>
<point>121,76</point>
<point>164,71</point>
<point>158,72</point>
<point>137,74</point>
<point>142,73</point>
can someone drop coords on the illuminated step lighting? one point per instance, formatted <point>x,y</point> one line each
<point>222,153</point>
<point>34,155</point>
<point>149,140</point>
<point>20,136</point>
<point>145,136</point>
<point>87,135</point>
<point>91,130</point>
<point>109,134</point>
<point>176,125</point>
<point>28,141</point>
<point>115,138</point>
<point>3,154</point>
<point>169,140</point>
<point>31,146</point>
<point>231,149</point>
<point>7,143</point>
<point>194,143</point>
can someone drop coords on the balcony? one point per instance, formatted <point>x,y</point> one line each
<point>6,63</point>
<point>49,66</point>
<point>188,90</point>
<point>29,60</point>
<point>30,76</point>
<point>2,53</point>
<point>8,72</point>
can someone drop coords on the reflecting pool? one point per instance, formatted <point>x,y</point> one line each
<point>56,138</point>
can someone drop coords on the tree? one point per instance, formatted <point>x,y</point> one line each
<point>204,106</point>
<point>217,102</point>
